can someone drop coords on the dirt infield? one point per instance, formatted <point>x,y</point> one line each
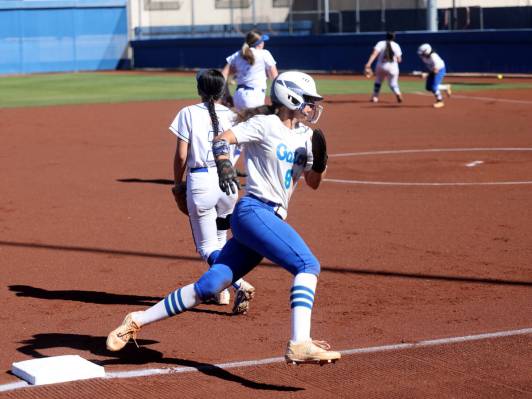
<point>414,243</point>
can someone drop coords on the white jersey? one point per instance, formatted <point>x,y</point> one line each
<point>253,76</point>
<point>276,156</point>
<point>433,61</point>
<point>193,125</point>
<point>381,48</point>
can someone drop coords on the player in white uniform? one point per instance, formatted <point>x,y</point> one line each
<point>388,54</point>
<point>252,65</point>
<point>278,149</point>
<point>209,209</point>
<point>436,67</point>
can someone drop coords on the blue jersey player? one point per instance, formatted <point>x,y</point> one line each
<point>278,152</point>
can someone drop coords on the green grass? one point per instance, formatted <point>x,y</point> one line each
<point>82,88</point>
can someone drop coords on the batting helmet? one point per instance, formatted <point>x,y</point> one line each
<point>424,49</point>
<point>295,90</point>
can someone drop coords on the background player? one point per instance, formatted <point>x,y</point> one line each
<point>279,150</point>
<point>252,65</point>
<point>208,208</point>
<point>436,67</point>
<point>388,54</point>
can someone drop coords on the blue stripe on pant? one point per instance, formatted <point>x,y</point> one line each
<point>257,233</point>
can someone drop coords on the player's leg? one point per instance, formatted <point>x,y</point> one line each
<point>380,75</point>
<point>257,227</point>
<point>393,82</point>
<point>201,201</point>
<point>436,88</point>
<point>244,291</point>
<point>238,99</point>
<point>239,260</point>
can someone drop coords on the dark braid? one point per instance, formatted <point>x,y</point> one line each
<point>211,86</point>
<point>214,117</point>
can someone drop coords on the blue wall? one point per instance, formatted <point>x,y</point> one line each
<point>491,51</point>
<point>57,36</point>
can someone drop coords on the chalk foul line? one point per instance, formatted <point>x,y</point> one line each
<point>254,363</point>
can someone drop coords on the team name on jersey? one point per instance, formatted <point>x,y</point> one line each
<point>294,157</point>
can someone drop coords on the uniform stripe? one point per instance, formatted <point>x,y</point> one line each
<point>302,288</point>
<point>174,303</point>
<point>304,304</point>
<point>301,296</point>
<point>180,300</point>
<point>167,306</point>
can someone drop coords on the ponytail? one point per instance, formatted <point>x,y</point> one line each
<point>247,54</point>
<point>388,51</point>
<point>249,113</point>
<point>252,38</point>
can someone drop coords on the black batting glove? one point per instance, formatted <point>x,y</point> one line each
<point>227,176</point>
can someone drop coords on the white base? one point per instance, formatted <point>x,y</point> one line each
<point>50,370</point>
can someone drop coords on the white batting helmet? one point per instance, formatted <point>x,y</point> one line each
<point>424,49</point>
<point>295,90</point>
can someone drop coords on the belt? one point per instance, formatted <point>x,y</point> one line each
<point>246,87</point>
<point>199,170</point>
<point>277,208</point>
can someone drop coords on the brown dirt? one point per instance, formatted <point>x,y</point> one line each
<point>81,246</point>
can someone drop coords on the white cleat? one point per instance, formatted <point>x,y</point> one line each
<point>120,336</point>
<point>310,352</point>
<point>374,99</point>
<point>244,294</point>
<point>223,297</point>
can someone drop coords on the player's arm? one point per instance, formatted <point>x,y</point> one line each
<point>371,58</point>
<point>227,176</point>
<point>180,159</point>
<point>227,70</point>
<point>272,72</point>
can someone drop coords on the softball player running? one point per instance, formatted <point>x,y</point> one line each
<point>252,65</point>
<point>388,55</point>
<point>279,149</point>
<point>208,208</point>
<point>436,67</point>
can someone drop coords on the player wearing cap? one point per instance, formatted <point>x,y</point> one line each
<point>252,65</point>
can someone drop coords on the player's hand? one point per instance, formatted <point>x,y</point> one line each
<point>180,196</point>
<point>368,72</point>
<point>227,177</point>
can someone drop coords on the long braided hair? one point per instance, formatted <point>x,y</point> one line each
<point>388,52</point>
<point>211,86</point>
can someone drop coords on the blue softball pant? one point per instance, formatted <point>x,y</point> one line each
<point>257,233</point>
<point>434,80</point>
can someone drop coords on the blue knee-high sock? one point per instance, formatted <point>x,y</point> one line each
<point>376,89</point>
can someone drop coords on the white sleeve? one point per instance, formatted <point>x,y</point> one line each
<point>231,59</point>
<point>398,52</point>
<point>379,46</point>
<point>181,125</point>
<point>268,59</point>
<point>251,130</point>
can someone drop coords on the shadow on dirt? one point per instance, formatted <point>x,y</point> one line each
<point>131,355</point>
<point>98,297</point>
